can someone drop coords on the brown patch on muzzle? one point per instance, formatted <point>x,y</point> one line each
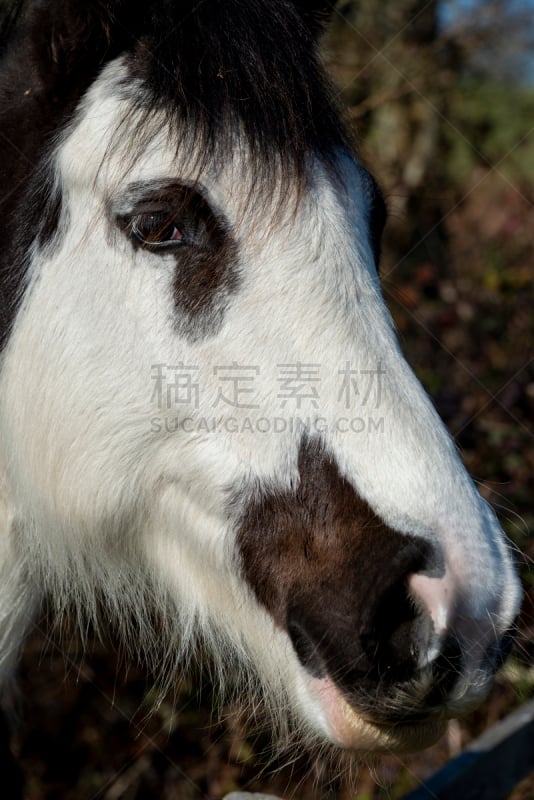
<point>334,576</point>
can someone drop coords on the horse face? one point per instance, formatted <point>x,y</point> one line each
<point>203,407</point>
<point>203,390</point>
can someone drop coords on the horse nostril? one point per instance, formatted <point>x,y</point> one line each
<point>446,669</point>
<point>365,630</point>
<point>395,635</point>
<point>381,650</point>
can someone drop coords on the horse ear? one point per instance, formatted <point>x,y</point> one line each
<point>316,13</point>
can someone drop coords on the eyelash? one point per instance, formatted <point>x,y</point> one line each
<point>161,230</point>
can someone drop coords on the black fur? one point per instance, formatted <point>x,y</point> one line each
<point>316,13</point>
<point>377,214</point>
<point>12,778</point>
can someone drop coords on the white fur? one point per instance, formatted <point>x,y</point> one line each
<point>96,500</point>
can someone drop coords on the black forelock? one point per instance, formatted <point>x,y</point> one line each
<point>242,65</point>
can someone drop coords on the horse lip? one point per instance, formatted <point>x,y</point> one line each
<point>364,731</point>
<point>428,716</point>
<point>410,737</point>
<point>405,735</point>
<point>403,720</point>
<point>406,722</point>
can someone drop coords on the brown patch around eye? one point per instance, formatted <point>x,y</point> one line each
<point>173,219</point>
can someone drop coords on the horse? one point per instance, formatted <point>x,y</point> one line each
<point>208,432</point>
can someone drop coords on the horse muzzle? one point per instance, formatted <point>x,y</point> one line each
<point>393,687</point>
<point>394,633</point>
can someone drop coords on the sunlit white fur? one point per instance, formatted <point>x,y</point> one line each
<point>98,499</point>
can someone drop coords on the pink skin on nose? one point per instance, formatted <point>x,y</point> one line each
<point>445,602</point>
<point>435,596</point>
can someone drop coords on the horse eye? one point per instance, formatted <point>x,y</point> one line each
<point>156,229</point>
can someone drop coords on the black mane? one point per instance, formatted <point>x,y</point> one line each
<point>9,16</point>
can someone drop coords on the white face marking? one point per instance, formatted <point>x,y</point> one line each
<point>91,460</point>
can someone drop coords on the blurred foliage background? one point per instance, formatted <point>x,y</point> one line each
<point>441,95</point>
